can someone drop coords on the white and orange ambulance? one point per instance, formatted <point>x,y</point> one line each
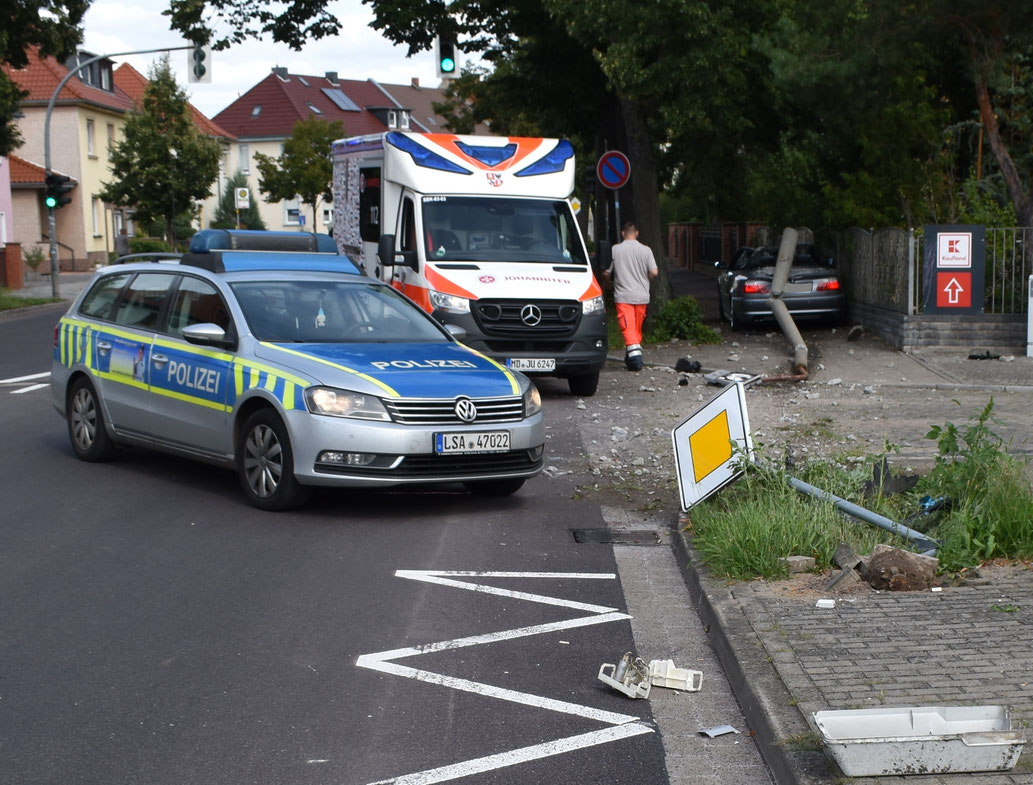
<point>479,231</point>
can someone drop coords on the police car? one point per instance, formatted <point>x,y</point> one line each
<point>271,353</point>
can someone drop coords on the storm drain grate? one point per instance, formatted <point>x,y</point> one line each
<point>617,536</point>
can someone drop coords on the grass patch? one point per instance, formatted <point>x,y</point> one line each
<point>9,301</point>
<point>742,531</point>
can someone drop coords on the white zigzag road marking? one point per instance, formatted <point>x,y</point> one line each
<point>622,725</point>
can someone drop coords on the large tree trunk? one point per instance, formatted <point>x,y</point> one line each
<point>1020,199</point>
<point>645,194</point>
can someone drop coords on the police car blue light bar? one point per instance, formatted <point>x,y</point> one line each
<point>208,240</point>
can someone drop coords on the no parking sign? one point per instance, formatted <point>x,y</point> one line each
<point>613,169</point>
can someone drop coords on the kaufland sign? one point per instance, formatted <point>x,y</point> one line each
<point>953,269</point>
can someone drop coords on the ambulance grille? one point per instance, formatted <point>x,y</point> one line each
<point>435,411</point>
<point>523,318</point>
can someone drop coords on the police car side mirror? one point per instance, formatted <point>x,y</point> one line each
<point>206,334</point>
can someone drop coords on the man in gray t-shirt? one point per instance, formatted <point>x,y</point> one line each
<point>632,269</point>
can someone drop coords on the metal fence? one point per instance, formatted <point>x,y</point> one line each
<point>884,268</point>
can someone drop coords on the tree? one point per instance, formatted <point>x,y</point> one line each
<point>304,170</point>
<point>163,164</point>
<point>226,213</point>
<point>50,25</point>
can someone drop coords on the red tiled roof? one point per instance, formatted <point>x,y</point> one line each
<point>27,173</point>
<point>41,76</point>
<point>284,103</point>
<point>133,84</point>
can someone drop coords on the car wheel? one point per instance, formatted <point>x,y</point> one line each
<point>584,385</point>
<point>504,487</point>
<point>265,462</point>
<point>86,429</point>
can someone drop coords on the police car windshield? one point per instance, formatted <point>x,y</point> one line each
<point>500,229</point>
<point>332,312</point>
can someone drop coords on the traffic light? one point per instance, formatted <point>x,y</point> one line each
<point>199,69</point>
<point>58,186</point>
<point>448,57</point>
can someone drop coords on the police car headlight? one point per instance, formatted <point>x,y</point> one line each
<point>532,401</point>
<point>593,305</point>
<point>449,303</point>
<point>342,403</point>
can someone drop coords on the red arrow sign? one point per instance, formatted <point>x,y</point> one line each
<point>953,290</point>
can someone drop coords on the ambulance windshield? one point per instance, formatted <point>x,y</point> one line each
<point>500,229</point>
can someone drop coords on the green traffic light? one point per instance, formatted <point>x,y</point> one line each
<point>448,65</point>
<point>51,202</point>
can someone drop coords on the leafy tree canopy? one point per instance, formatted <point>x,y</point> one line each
<point>304,169</point>
<point>226,212</point>
<point>50,25</point>
<point>162,164</point>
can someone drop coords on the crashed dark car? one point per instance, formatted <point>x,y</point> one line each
<point>813,291</point>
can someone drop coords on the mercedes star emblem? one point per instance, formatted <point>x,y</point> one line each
<point>530,314</point>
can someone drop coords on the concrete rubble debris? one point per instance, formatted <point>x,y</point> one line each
<point>892,569</point>
<point>796,564</point>
<point>843,579</point>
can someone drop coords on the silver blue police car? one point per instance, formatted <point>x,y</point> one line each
<point>271,353</point>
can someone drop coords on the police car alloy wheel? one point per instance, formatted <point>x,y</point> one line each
<point>267,464</point>
<point>86,429</point>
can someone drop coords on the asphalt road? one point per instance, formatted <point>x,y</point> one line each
<point>155,629</point>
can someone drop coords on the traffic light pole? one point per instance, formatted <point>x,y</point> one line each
<point>51,218</point>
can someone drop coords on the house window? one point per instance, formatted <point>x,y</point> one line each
<point>90,138</point>
<point>111,140</point>
<point>291,212</point>
<point>314,108</point>
<point>245,159</point>
<point>98,209</point>
<point>256,110</point>
<point>105,77</point>
<point>328,216</point>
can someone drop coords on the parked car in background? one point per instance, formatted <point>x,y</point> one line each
<point>812,292</point>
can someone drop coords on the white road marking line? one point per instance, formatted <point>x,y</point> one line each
<point>29,389</point>
<point>622,725</point>
<point>431,577</point>
<point>29,378</point>
<point>492,637</point>
<point>522,755</point>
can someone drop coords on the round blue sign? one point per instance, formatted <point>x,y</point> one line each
<point>613,169</point>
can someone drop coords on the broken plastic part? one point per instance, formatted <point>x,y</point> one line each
<point>630,676</point>
<point>717,730</point>
<point>825,604</point>
<point>663,673</point>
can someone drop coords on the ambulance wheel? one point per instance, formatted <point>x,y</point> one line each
<point>495,487</point>
<point>584,385</point>
<point>265,462</point>
<point>86,428</point>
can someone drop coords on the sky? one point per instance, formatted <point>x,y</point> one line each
<point>359,52</point>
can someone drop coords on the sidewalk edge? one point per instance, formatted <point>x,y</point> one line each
<point>752,676</point>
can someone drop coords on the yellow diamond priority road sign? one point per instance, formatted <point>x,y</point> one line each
<point>708,443</point>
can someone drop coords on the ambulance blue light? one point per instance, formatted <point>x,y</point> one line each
<point>421,156</point>
<point>491,156</point>
<point>554,161</point>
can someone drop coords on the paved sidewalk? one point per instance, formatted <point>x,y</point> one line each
<point>786,658</point>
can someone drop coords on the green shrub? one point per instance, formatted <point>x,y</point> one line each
<point>147,245</point>
<point>990,495</point>
<point>681,318</point>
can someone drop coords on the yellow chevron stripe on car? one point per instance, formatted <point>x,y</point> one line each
<point>389,390</point>
<point>509,374</point>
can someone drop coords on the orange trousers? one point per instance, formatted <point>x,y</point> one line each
<point>630,317</point>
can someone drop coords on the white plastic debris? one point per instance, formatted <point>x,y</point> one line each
<point>663,673</point>
<point>718,730</point>
<point>825,604</point>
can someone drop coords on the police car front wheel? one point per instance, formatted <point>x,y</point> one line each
<point>266,464</point>
<point>86,428</point>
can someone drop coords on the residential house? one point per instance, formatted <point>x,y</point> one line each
<point>134,84</point>
<point>88,115</point>
<point>419,102</point>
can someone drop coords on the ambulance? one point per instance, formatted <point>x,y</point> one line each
<point>479,231</point>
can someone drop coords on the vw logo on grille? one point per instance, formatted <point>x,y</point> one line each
<point>466,410</point>
<point>530,314</point>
